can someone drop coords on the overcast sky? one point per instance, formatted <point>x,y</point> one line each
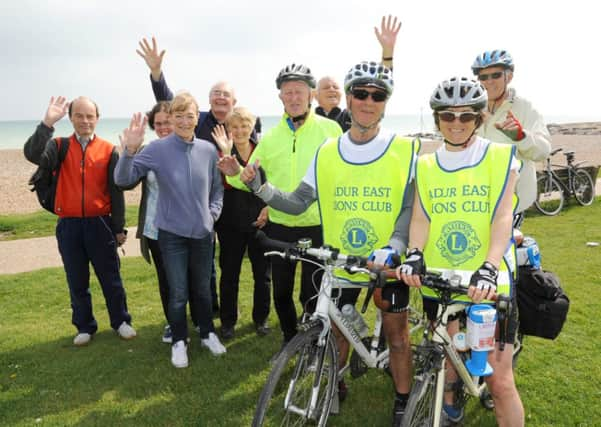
<point>87,47</point>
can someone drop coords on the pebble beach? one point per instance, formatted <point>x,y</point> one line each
<point>582,138</point>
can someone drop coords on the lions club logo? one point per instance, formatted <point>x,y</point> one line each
<point>458,242</point>
<point>358,237</point>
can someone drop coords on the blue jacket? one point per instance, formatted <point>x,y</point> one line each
<point>190,187</point>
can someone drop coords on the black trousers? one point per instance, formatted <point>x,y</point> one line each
<point>233,244</point>
<point>283,275</point>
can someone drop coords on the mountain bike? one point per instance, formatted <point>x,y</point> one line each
<point>424,407</point>
<point>553,190</point>
<point>302,386</point>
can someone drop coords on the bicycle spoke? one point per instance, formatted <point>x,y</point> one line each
<point>301,385</point>
<point>583,187</point>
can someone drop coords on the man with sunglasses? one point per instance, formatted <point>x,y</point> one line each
<point>362,183</point>
<point>511,119</point>
<point>328,94</point>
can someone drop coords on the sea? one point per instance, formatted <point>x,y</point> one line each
<point>13,134</point>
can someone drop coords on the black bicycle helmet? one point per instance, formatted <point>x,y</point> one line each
<point>295,72</point>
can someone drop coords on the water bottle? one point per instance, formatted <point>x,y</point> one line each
<point>460,342</point>
<point>354,318</point>
<point>481,323</point>
<point>528,253</point>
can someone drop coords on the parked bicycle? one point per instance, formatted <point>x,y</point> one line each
<point>302,385</point>
<point>553,190</point>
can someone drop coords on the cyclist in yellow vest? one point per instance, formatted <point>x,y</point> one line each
<point>285,152</point>
<point>462,224</point>
<point>362,183</point>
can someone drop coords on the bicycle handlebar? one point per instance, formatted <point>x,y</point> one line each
<point>350,263</point>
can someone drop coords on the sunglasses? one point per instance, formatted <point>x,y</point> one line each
<point>362,94</point>
<point>494,76</point>
<point>464,117</point>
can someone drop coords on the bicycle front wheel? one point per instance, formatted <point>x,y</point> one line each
<point>583,187</point>
<point>422,399</point>
<point>301,384</point>
<point>550,198</point>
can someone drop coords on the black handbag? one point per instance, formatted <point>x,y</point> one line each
<point>542,304</point>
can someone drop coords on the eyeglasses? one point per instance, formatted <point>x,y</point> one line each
<point>494,76</point>
<point>376,96</point>
<point>222,93</point>
<point>450,116</point>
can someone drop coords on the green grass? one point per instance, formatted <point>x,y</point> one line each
<point>42,223</point>
<point>119,383</point>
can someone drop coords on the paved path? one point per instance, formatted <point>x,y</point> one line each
<point>18,256</point>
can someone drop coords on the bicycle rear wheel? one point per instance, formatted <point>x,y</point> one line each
<point>550,198</point>
<point>300,387</point>
<point>583,187</point>
<point>420,406</point>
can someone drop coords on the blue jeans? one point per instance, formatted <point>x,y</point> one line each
<point>187,263</point>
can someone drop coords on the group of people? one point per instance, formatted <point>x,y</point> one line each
<point>376,196</point>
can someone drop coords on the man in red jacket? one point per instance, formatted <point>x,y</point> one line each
<point>91,212</point>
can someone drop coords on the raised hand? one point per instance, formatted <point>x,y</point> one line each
<point>228,165</point>
<point>152,56</point>
<point>511,127</point>
<point>133,136</point>
<point>250,172</point>
<point>57,108</point>
<point>389,28</point>
<point>224,143</point>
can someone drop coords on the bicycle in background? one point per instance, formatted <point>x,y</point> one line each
<point>553,190</point>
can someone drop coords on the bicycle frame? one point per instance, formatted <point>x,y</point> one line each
<point>441,337</point>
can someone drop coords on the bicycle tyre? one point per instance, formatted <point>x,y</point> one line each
<point>550,198</point>
<point>420,406</point>
<point>293,375</point>
<point>583,187</point>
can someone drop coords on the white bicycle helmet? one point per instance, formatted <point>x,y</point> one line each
<point>295,72</point>
<point>459,92</point>
<point>369,73</point>
<point>492,58</point>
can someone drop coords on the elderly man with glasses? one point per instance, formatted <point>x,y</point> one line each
<point>511,119</point>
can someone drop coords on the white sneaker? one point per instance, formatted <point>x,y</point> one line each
<point>179,354</point>
<point>126,332</point>
<point>82,339</point>
<point>213,344</point>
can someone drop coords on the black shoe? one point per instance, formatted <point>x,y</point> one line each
<point>342,391</point>
<point>262,329</point>
<point>398,412</point>
<point>227,333</point>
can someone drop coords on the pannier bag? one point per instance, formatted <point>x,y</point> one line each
<point>542,304</point>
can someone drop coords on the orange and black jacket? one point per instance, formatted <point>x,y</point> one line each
<point>85,185</point>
